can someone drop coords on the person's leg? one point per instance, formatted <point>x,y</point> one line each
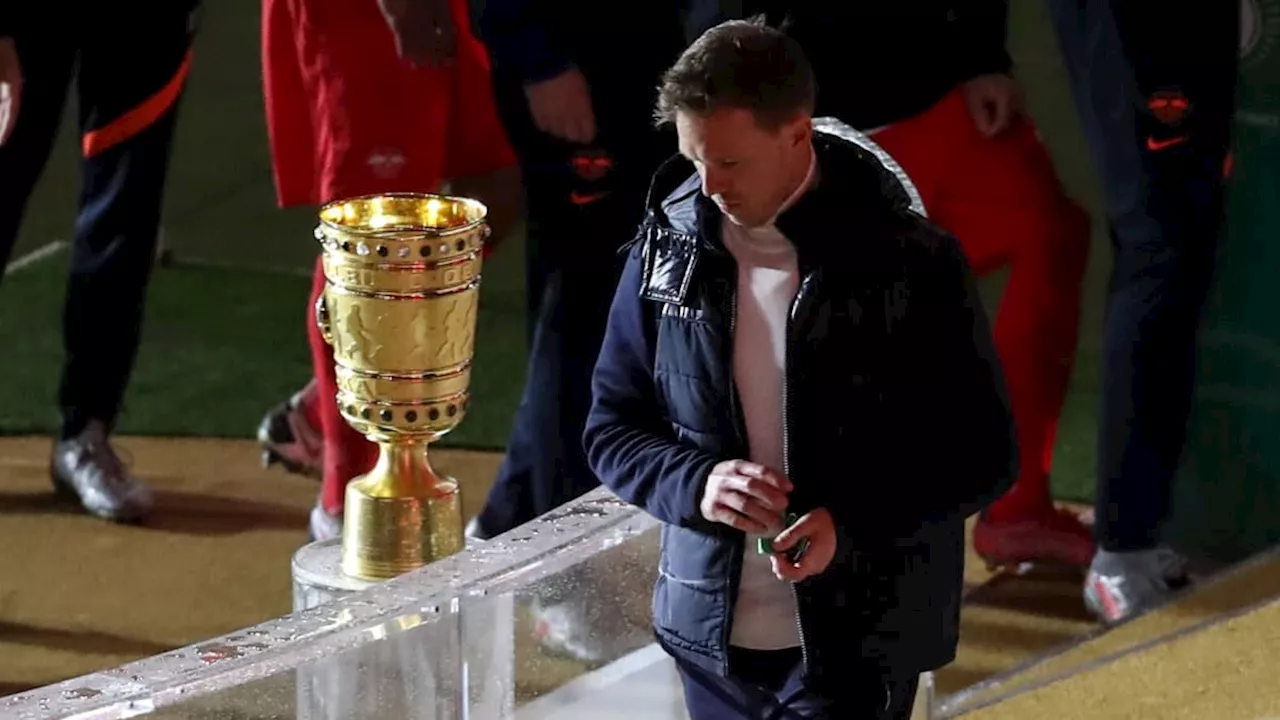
<point>380,126</point>
<point>287,100</point>
<point>751,693</point>
<point>347,453</point>
<point>478,158</point>
<point>289,433</point>
<point>48,59</point>
<point>1156,95</point>
<point>583,203</point>
<point>131,77</point>
<point>772,685</point>
<point>1002,199</point>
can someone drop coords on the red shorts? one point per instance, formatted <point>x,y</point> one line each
<point>346,116</point>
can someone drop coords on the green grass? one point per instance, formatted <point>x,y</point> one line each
<point>221,345</point>
<point>225,340</point>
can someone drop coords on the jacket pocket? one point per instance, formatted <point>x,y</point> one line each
<point>689,595</point>
<point>705,440</point>
<point>691,613</point>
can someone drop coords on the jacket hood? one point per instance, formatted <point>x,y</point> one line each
<point>851,168</point>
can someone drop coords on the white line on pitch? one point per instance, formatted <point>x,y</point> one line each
<point>36,256</point>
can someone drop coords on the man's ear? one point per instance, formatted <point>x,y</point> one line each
<point>800,130</point>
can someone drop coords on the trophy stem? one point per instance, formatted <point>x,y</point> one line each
<point>401,515</point>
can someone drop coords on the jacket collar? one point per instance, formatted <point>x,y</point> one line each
<point>853,189</point>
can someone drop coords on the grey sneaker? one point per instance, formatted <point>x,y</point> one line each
<point>87,468</point>
<point>1122,585</point>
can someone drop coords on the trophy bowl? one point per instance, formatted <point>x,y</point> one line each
<point>399,309</point>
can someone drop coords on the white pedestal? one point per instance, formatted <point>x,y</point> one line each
<point>459,663</point>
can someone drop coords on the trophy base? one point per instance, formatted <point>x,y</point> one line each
<point>400,516</point>
<point>461,664</point>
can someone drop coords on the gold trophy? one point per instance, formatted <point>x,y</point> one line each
<point>399,308</point>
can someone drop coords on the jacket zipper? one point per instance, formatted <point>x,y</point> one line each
<point>786,454</point>
<point>738,422</point>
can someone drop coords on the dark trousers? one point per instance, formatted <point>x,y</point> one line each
<point>1155,90</point>
<point>128,64</point>
<point>583,203</point>
<point>769,685</point>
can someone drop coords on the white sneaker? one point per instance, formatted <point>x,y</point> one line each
<point>324,526</point>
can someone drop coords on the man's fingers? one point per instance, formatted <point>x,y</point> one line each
<point>761,490</point>
<point>727,515</point>
<point>765,474</point>
<point>984,119</point>
<point>586,125</point>
<point>784,570</point>
<point>806,567</point>
<point>794,534</point>
<point>573,125</point>
<point>1001,116</point>
<point>752,508</point>
<point>10,98</point>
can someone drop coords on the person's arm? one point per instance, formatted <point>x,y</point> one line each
<point>967,450</point>
<point>981,36</point>
<point>630,445</point>
<point>517,36</point>
<point>977,461</point>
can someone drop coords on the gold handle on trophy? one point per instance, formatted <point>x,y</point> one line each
<point>402,276</point>
<point>322,319</point>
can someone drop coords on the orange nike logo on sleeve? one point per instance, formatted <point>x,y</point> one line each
<point>1155,145</point>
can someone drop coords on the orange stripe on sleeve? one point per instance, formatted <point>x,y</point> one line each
<point>140,117</point>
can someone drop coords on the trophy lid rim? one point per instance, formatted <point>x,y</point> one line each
<point>383,233</point>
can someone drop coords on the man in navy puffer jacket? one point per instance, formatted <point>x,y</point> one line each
<point>795,355</point>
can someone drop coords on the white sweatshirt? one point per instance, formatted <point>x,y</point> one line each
<point>768,277</point>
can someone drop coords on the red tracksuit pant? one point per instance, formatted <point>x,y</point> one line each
<point>347,117</point>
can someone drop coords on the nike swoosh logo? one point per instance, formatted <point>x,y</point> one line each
<point>578,198</point>
<point>1155,145</point>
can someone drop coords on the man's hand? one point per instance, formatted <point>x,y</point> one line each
<point>423,30</point>
<point>820,529</point>
<point>561,107</point>
<point>10,87</point>
<point>994,101</point>
<point>746,496</point>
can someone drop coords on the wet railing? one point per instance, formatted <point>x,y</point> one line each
<point>404,647</point>
<point>550,621</point>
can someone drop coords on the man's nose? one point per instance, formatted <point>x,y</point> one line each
<point>712,183</point>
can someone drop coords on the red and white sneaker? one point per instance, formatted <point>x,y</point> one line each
<point>1056,538</point>
<point>287,438</point>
